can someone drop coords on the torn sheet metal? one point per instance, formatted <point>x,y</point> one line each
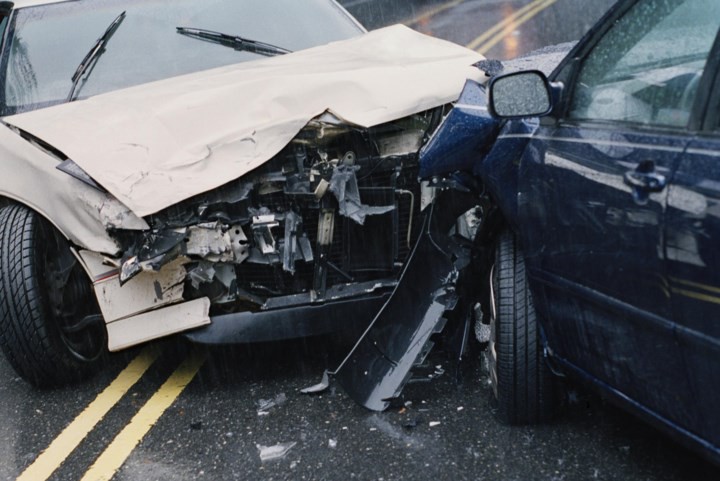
<point>147,326</point>
<point>147,291</point>
<point>157,144</point>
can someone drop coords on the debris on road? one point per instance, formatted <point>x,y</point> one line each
<point>264,405</point>
<point>278,451</point>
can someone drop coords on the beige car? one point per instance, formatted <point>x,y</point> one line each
<point>236,171</point>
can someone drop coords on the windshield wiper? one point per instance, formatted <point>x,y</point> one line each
<point>233,41</point>
<point>90,60</point>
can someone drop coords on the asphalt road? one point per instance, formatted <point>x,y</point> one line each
<point>173,411</point>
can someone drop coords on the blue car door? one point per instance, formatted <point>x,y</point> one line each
<point>693,258</point>
<point>593,198</point>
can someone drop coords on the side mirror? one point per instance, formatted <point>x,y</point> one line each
<point>520,94</point>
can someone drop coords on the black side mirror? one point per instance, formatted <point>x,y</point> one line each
<point>519,95</point>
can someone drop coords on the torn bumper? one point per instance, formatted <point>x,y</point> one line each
<point>351,315</point>
<point>399,337</point>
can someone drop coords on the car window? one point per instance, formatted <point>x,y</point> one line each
<point>647,67</point>
<point>49,41</point>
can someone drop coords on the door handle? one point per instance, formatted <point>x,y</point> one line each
<point>645,178</point>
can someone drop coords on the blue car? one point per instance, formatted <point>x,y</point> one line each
<point>603,216</point>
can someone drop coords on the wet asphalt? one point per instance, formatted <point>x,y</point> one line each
<point>245,400</point>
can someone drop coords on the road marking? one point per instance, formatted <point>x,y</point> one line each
<point>61,447</point>
<point>696,295</point>
<point>493,36</point>
<point>427,15</point>
<point>107,464</point>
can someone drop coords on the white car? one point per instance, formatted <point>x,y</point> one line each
<point>173,167</point>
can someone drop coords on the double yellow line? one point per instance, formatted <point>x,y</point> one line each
<point>496,34</point>
<point>124,443</point>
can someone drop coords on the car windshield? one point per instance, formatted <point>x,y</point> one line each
<point>48,42</point>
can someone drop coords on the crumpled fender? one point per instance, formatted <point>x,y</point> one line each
<point>464,136</point>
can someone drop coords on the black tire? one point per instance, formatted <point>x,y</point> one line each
<point>522,382</point>
<point>50,330</point>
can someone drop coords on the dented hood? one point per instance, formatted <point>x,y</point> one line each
<point>157,144</point>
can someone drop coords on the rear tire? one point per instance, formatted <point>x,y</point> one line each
<point>45,296</point>
<point>522,382</point>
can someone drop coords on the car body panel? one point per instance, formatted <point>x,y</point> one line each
<point>155,145</point>
<point>595,258</point>
<point>462,137</point>
<point>80,212</point>
<point>692,230</point>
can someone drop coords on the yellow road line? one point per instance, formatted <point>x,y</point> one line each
<point>696,284</point>
<point>431,13</point>
<point>51,459</point>
<point>124,443</point>
<point>696,295</point>
<point>483,49</point>
<point>499,31</point>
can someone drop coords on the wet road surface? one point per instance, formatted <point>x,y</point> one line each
<point>247,398</point>
<point>173,411</point>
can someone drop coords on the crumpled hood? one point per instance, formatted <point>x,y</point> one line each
<point>154,145</point>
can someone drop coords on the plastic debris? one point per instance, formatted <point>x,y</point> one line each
<point>412,423</point>
<point>320,387</point>
<point>460,408</point>
<point>279,451</point>
<point>434,423</point>
<point>332,443</point>
<point>264,405</point>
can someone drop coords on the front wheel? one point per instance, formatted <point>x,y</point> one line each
<point>521,379</point>
<point>50,330</point>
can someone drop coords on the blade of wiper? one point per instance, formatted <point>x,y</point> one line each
<point>234,41</point>
<point>88,63</point>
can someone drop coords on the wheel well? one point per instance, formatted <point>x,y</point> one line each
<point>5,201</point>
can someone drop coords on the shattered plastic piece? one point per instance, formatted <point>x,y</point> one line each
<point>345,187</point>
<point>210,242</point>
<point>203,273</point>
<point>332,443</point>
<point>412,423</point>
<point>482,332</point>
<point>320,387</point>
<point>261,226</point>
<point>279,451</point>
<point>432,424</point>
<point>265,405</point>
